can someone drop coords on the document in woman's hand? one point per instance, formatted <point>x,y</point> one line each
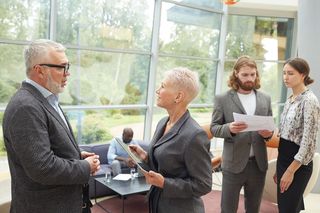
<point>144,167</point>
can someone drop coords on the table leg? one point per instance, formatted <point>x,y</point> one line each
<point>95,198</point>
<point>95,193</point>
<point>122,204</point>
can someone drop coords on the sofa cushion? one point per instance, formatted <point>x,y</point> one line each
<point>102,151</point>
<point>86,148</point>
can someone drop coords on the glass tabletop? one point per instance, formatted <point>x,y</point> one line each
<point>128,187</point>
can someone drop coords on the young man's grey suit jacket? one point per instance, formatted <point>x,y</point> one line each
<point>44,158</point>
<point>236,148</point>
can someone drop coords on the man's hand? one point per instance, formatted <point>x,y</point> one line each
<point>265,133</point>
<point>237,126</point>
<point>94,163</point>
<point>216,162</point>
<point>130,163</point>
<point>85,154</point>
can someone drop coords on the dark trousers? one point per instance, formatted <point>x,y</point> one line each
<point>291,201</point>
<point>86,203</point>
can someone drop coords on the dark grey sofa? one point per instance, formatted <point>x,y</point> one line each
<point>102,151</point>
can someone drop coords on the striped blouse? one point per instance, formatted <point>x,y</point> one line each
<point>300,123</point>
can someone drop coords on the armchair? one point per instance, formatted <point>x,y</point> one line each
<point>270,188</point>
<point>215,161</point>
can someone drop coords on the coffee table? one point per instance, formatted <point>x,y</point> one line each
<point>123,188</point>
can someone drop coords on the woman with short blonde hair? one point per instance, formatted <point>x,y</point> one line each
<point>178,156</point>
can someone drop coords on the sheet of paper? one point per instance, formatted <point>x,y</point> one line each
<point>255,122</point>
<point>123,177</point>
<point>127,149</point>
<point>144,167</point>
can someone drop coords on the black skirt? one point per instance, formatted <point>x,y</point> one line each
<point>291,201</point>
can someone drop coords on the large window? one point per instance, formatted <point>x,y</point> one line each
<point>189,37</point>
<point>109,49</point>
<point>206,69</point>
<point>105,78</point>
<point>186,31</point>
<point>12,71</point>
<point>122,24</point>
<point>119,51</point>
<point>20,20</point>
<point>266,39</point>
<point>217,4</point>
<point>100,126</point>
<point>24,20</point>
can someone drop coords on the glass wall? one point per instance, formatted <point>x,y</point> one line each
<point>189,37</point>
<point>269,41</point>
<point>265,38</point>
<point>99,126</point>
<point>20,21</point>
<point>122,24</point>
<point>23,20</point>
<point>105,78</point>
<point>119,51</point>
<point>189,31</point>
<point>110,47</point>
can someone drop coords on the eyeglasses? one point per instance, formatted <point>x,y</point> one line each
<point>64,67</point>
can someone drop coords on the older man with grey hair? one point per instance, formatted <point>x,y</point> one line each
<point>48,171</point>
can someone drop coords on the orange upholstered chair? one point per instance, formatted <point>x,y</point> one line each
<point>215,161</point>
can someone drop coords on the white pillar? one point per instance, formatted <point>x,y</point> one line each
<point>308,46</point>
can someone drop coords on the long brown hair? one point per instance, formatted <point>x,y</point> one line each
<point>243,61</point>
<point>302,67</point>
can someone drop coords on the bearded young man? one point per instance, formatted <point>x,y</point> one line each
<point>244,159</point>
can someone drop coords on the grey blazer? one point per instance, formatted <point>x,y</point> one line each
<point>236,148</point>
<point>44,159</point>
<point>182,157</point>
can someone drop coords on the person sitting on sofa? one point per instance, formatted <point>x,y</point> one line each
<point>117,156</point>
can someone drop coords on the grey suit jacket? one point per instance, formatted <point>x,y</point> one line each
<point>236,147</point>
<point>182,157</point>
<point>44,159</point>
